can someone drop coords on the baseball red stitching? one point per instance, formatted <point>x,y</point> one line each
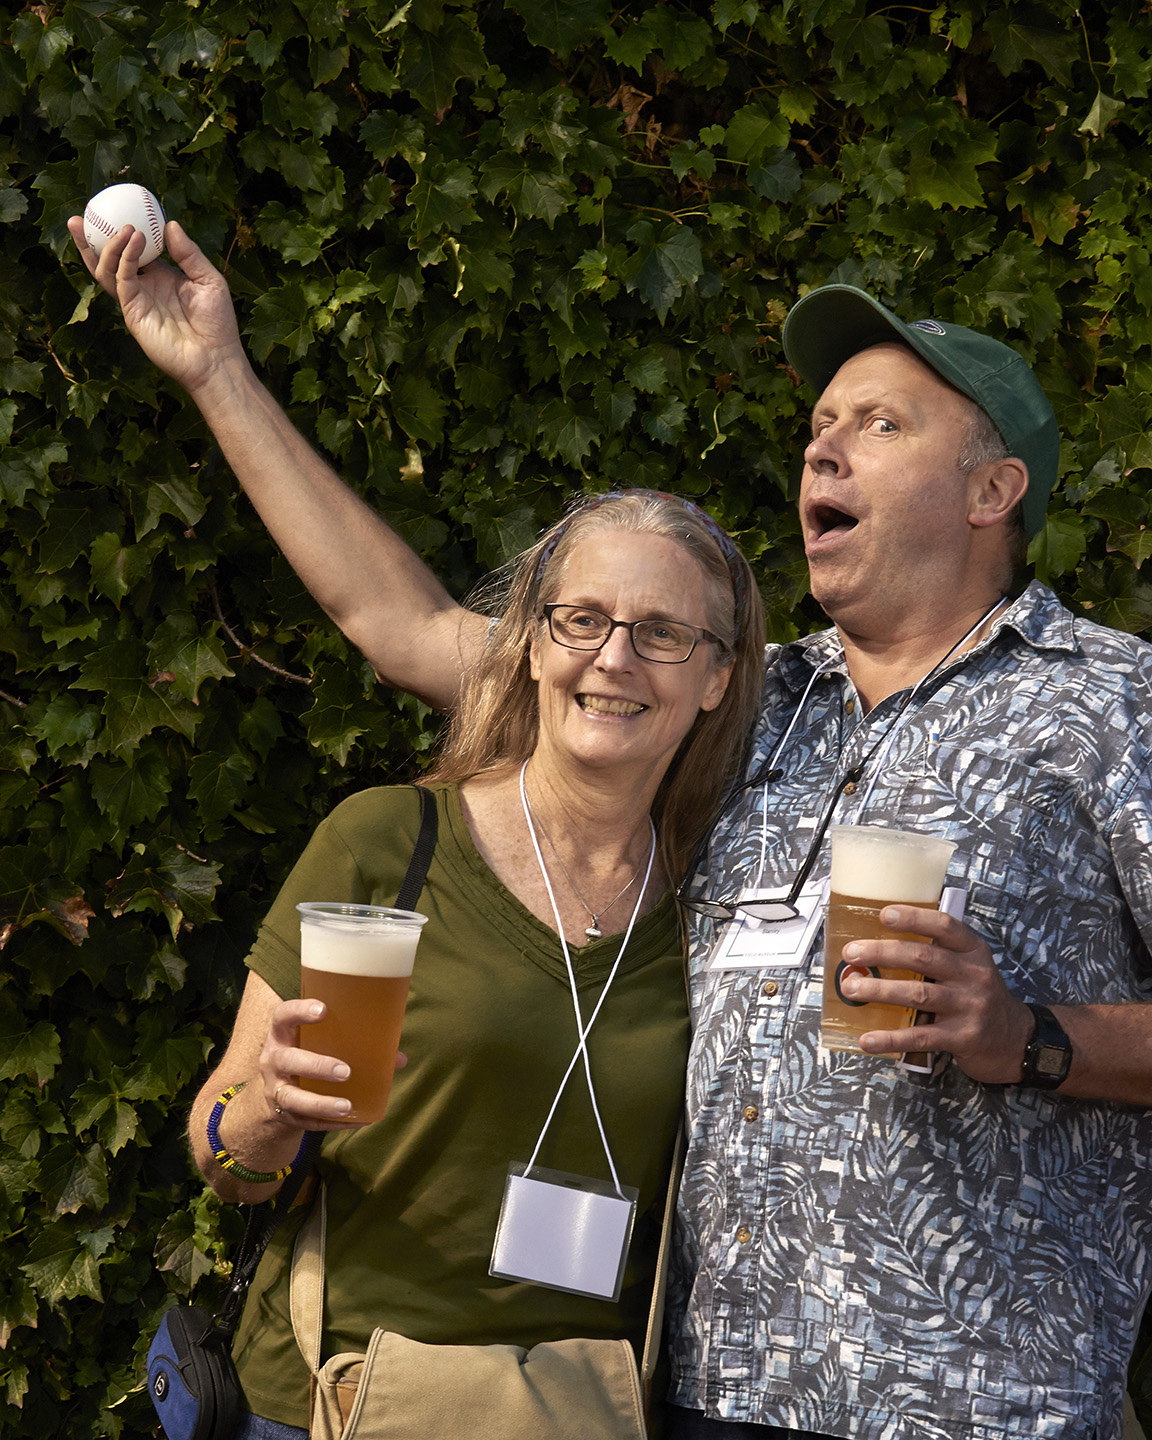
<point>98,222</point>
<point>153,220</point>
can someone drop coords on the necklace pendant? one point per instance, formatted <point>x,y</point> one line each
<point>594,933</point>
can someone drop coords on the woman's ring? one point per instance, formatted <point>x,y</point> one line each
<point>276,1097</point>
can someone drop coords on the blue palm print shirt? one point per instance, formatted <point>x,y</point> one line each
<point>867,1252</point>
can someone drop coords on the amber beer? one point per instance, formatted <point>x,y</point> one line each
<point>872,867</point>
<point>357,959</point>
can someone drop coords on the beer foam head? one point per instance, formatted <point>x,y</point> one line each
<point>358,939</point>
<point>872,862</point>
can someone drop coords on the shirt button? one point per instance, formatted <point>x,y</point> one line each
<point>850,788</point>
<point>849,706</point>
<point>770,988</point>
<point>750,1112</point>
<point>743,1235</point>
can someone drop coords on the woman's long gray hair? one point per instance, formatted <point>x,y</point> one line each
<point>496,720</point>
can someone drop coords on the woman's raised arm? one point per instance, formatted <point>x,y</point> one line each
<point>374,587</point>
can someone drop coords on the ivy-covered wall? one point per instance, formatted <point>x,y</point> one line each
<point>486,253</point>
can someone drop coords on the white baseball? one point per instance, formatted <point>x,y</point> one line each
<point>106,214</point>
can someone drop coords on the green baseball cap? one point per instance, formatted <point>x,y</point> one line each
<point>834,322</point>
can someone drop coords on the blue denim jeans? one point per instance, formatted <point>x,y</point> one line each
<point>695,1425</point>
<point>255,1427</point>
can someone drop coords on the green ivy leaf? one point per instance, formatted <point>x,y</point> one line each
<point>949,179</point>
<point>286,317</point>
<point>434,64</point>
<point>115,69</point>
<point>1058,548</point>
<point>72,1179</point>
<point>535,189</point>
<point>755,130</point>
<point>35,1052</point>
<point>561,25</point>
<point>1021,32</point>
<point>63,1261</point>
<point>19,1175</point>
<point>568,432</point>
<point>777,179</point>
<point>71,531</point>
<point>66,723</point>
<point>129,794</point>
<point>1135,541</point>
<point>441,199</point>
<point>94,1104</point>
<point>176,495</point>
<point>164,1063</point>
<point>340,714</point>
<point>1123,420</point>
<point>13,203</point>
<point>180,1251</point>
<point>189,653</point>
<point>1104,110</point>
<point>218,783</point>
<point>174,884</point>
<point>134,705</point>
<point>117,568</point>
<point>419,407</point>
<point>665,264</point>
<point>182,41</point>
<point>31,892</point>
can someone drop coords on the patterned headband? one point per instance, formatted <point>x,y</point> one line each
<point>737,573</point>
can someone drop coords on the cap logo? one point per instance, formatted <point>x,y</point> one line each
<point>933,327</point>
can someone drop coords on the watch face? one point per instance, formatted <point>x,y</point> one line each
<point>1051,1060</point>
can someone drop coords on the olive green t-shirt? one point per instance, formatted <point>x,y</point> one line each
<point>489,1031</point>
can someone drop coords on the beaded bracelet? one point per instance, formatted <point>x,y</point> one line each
<point>229,1162</point>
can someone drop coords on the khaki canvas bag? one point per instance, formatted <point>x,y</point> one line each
<point>400,1389</point>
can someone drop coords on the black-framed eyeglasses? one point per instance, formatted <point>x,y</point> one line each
<point>771,911</point>
<point>667,642</point>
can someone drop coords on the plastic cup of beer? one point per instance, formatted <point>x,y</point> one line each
<point>357,959</point>
<point>873,866</point>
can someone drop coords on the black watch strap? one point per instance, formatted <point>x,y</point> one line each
<point>1048,1057</point>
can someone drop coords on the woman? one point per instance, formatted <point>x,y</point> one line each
<point>585,758</point>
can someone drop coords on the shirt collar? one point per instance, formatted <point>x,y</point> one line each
<point>1036,615</point>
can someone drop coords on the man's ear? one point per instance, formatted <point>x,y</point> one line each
<point>997,488</point>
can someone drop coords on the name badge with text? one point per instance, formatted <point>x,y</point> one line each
<point>751,944</point>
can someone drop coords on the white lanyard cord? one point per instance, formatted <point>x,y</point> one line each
<point>906,709</point>
<point>889,739</point>
<point>832,659</point>
<point>582,1029</point>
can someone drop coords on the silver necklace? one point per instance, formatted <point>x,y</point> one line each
<point>592,931</point>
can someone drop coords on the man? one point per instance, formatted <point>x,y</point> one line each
<point>866,1251</point>
<point>871,1252</point>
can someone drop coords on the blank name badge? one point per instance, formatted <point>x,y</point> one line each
<point>563,1231</point>
<point>751,944</point>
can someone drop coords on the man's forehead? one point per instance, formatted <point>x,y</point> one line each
<point>890,370</point>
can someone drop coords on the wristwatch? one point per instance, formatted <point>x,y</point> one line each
<point>1048,1057</point>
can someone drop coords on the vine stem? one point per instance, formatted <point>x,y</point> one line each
<point>247,650</point>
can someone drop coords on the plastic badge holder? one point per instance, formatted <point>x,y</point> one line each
<point>564,1231</point>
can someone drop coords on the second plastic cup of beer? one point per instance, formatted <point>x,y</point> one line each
<point>873,866</point>
<point>357,959</point>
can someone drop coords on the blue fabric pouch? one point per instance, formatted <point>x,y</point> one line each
<point>191,1377</point>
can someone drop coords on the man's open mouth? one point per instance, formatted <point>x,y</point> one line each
<point>827,518</point>
<point>600,705</point>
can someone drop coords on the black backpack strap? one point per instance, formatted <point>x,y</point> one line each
<point>264,1220</point>
<point>421,854</point>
